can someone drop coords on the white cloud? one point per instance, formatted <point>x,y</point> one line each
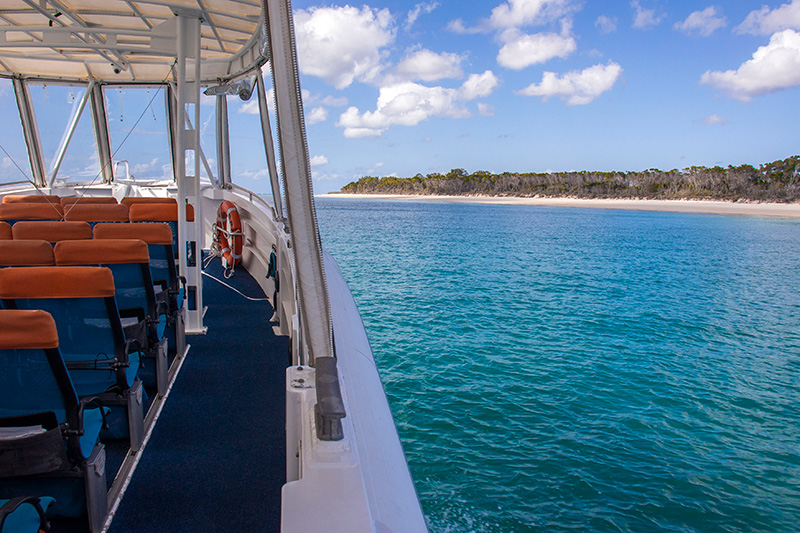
<point>425,65</point>
<point>408,104</point>
<point>766,21</point>
<point>258,175</point>
<point>478,86</point>
<point>457,26</point>
<point>703,22</point>
<point>773,67</point>
<point>142,168</point>
<point>334,101</point>
<point>418,10</point>
<point>645,18</point>
<point>576,87</point>
<point>714,119</point>
<point>342,44</point>
<point>516,13</point>
<point>606,24</point>
<point>250,107</point>
<point>318,160</point>
<point>318,114</point>
<point>485,110</point>
<point>525,50</point>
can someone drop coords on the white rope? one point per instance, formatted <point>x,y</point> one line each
<point>235,289</point>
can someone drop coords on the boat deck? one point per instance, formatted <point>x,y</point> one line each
<point>216,458</point>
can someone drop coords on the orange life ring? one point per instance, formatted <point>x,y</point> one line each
<point>229,224</point>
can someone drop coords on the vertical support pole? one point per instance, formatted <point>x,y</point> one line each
<point>316,323</point>
<point>223,143</point>
<point>187,167</point>
<point>30,130</point>
<point>100,122</point>
<point>269,147</point>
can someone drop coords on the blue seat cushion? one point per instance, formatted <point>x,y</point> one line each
<point>25,519</point>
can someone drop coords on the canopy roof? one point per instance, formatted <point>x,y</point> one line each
<point>125,41</point>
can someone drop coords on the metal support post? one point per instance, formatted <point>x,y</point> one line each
<point>187,166</point>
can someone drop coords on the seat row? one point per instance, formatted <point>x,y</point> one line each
<point>93,212</point>
<point>72,339</point>
<point>149,246</point>
<point>69,200</point>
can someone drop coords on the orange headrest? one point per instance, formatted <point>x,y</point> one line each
<point>26,253</point>
<point>70,200</point>
<point>5,231</point>
<point>150,233</point>
<point>130,200</point>
<point>101,252</point>
<point>31,211</point>
<point>97,212</point>
<point>56,282</point>
<point>159,213</point>
<point>26,330</point>
<point>31,199</point>
<point>51,231</point>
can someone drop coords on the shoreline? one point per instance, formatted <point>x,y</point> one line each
<point>714,207</point>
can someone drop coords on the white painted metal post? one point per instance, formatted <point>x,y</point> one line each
<point>187,140</point>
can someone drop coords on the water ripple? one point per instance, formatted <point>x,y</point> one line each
<point>558,370</point>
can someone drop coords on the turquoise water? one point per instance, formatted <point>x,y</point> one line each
<point>555,369</point>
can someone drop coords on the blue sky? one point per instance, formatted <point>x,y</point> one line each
<point>403,87</point>
<point>397,88</point>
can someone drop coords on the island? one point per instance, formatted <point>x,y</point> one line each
<point>775,182</point>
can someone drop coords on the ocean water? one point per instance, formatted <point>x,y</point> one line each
<point>555,369</point>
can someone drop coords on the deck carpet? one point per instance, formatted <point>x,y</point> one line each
<point>216,459</point>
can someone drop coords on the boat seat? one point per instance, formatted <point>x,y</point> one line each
<point>130,200</point>
<point>94,213</point>
<point>31,199</point>
<point>5,231</point>
<point>26,253</point>
<point>26,514</point>
<point>72,200</point>
<point>159,241</point>
<point>51,231</point>
<point>129,261</point>
<point>166,212</point>
<point>163,268</point>
<point>15,211</point>
<point>49,436</point>
<point>101,361</point>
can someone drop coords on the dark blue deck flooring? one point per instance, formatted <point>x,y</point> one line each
<point>216,459</point>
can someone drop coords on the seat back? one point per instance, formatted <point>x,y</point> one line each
<point>51,230</point>
<point>159,243</point>
<point>130,200</point>
<point>166,212</point>
<point>94,213</point>
<point>72,200</point>
<point>26,253</point>
<point>34,379</point>
<point>5,231</point>
<point>14,211</point>
<point>81,300</point>
<point>31,199</point>
<point>128,260</point>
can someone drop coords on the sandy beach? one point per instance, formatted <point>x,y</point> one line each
<point>679,206</point>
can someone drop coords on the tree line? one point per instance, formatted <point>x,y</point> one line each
<point>778,181</point>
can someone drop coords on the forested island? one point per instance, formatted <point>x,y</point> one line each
<point>778,181</point>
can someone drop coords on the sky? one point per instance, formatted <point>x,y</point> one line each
<point>400,88</point>
<point>397,88</point>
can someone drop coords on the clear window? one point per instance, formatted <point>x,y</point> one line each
<point>14,163</point>
<point>138,131</point>
<point>56,107</point>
